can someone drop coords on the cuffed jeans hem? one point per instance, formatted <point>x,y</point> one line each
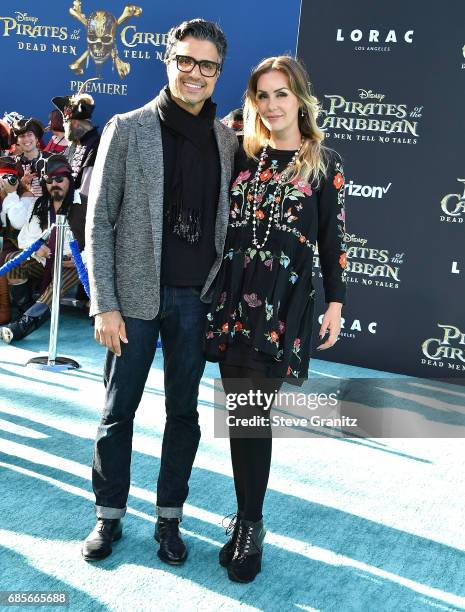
<point>109,513</point>
<point>163,512</point>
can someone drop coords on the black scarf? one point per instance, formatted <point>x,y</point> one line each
<point>186,193</point>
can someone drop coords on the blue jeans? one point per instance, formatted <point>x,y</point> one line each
<point>181,325</point>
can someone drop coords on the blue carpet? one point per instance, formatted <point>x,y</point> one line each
<point>353,524</point>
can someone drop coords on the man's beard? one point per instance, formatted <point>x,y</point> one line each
<point>57,196</point>
<point>75,133</point>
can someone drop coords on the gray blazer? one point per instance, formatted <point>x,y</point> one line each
<point>124,225</point>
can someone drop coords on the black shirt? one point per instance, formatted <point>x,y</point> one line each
<point>185,264</point>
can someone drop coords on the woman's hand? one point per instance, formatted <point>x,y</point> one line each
<point>331,322</point>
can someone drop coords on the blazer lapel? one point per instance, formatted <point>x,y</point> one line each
<point>226,161</point>
<point>149,144</point>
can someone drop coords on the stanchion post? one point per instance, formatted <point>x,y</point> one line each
<point>52,362</point>
<point>57,270</point>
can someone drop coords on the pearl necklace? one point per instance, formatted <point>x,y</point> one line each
<point>277,192</point>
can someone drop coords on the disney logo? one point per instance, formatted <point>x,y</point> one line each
<point>368,93</point>
<point>25,17</point>
<point>354,238</point>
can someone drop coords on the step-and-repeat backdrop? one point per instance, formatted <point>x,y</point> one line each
<point>51,48</point>
<point>391,80</point>
<point>390,77</point>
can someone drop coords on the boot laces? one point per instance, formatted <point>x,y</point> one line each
<point>243,542</point>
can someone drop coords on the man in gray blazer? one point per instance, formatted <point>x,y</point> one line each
<point>156,225</point>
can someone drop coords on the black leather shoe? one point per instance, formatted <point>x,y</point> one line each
<point>172,549</point>
<point>98,544</point>
<point>226,553</point>
<point>247,557</point>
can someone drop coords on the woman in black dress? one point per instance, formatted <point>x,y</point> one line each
<point>287,196</point>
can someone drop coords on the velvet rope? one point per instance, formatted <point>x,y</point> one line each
<point>80,266</point>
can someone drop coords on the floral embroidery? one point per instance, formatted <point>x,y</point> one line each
<point>252,300</point>
<point>221,301</point>
<point>241,178</point>
<point>273,337</point>
<point>268,310</point>
<point>295,214</point>
<point>338,180</point>
<point>302,186</point>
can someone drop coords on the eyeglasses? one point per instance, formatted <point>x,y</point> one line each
<point>207,68</point>
<point>58,179</point>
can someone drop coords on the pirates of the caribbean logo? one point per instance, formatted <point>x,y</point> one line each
<point>101,29</point>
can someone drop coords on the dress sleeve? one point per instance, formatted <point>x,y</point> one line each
<point>331,232</point>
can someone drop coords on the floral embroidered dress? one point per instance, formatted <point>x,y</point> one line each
<point>262,309</point>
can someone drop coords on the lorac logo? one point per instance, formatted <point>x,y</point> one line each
<point>377,40</point>
<point>450,347</point>
<point>101,28</point>
<point>453,206</point>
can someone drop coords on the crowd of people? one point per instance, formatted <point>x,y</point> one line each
<point>199,238</point>
<point>39,180</point>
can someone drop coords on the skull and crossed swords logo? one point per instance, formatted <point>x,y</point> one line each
<point>101,29</point>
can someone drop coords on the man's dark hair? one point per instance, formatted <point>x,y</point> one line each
<point>200,29</point>
<point>40,208</point>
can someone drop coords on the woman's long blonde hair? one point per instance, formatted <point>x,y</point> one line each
<point>311,162</point>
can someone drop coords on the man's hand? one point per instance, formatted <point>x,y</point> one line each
<point>26,179</point>
<point>68,263</point>
<point>331,322</point>
<point>109,330</point>
<point>44,251</point>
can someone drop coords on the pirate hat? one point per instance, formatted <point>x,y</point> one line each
<point>21,126</point>
<point>79,106</point>
<point>56,165</point>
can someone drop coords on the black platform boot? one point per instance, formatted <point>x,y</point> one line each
<point>172,549</point>
<point>98,544</point>
<point>247,557</point>
<point>226,553</point>
<point>32,319</point>
<point>21,297</point>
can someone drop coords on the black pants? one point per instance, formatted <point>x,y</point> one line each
<point>250,456</point>
<point>180,323</point>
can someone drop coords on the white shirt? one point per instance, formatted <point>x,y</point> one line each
<point>31,231</point>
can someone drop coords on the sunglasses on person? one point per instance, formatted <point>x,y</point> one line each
<point>207,68</point>
<point>58,179</point>
<point>10,178</point>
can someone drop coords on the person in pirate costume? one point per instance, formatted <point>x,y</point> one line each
<point>18,197</point>
<point>81,133</point>
<point>28,133</point>
<point>13,211</point>
<point>58,197</point>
